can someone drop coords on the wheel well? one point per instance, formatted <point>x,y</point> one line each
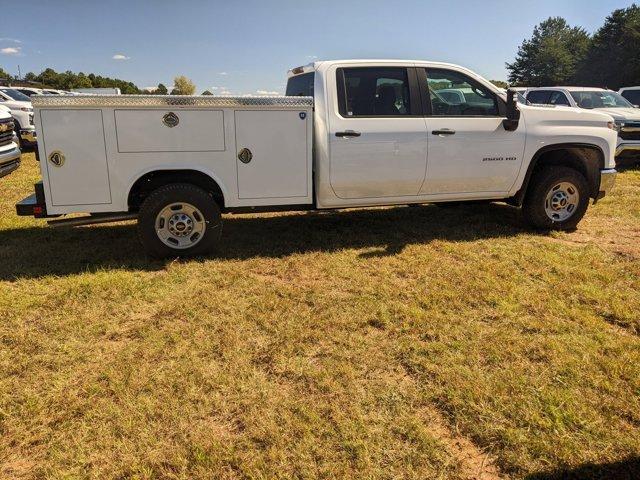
<point>586,159</point>
<point>158,178</point>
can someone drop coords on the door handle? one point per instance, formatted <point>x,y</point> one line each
<point>444,131</point>
<point>348,133</point>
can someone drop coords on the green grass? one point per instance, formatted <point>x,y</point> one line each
<point>378,343</point>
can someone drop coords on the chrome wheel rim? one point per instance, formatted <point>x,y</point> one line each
<point>562,201</point>
<point>180,225</point>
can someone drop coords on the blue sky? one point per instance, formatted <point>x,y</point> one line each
<point>244,47</point>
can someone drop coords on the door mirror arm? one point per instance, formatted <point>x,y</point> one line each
<point>513,113</point>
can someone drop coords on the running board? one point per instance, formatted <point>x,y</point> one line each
<point>93,219</point>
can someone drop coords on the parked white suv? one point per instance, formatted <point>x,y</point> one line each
<point>624,113</point>
<point>22,111</point>
<point>9,150</point>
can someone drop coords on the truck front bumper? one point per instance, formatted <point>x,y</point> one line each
<point>9,161</point>
<point>607,181</point>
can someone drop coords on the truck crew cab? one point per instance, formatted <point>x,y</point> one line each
<point>352,133</point>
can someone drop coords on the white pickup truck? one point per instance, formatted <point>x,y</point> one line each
<point>353,133</point>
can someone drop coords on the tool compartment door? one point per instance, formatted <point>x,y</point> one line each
<point>78,173</point>
<point>273,155</point>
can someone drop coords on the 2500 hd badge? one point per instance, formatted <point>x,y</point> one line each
<point>498,159</point>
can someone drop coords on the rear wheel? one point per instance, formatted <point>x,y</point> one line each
<point>179,220</point>
<point>557,199</point>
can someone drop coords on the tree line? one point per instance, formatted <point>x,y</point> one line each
<point>69,80</point>
<point>561,54</point>
<point>556,54</point>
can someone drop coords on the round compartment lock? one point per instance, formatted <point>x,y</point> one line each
<point>170,119</point>
<point>245,155</point>
<point>56,158</point>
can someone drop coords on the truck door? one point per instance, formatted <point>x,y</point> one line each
<point>378,136</point>
<point>469,149</point>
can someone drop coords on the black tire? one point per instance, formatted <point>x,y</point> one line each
<point>541,185</point>
<point>177,193</point>
<point>17,129</point>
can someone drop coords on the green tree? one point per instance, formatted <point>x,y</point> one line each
<point>206,92</point>
<point>4,75</point>
<point>612,60</point>
<point>183,86</point>
<point>551,56</point>
<point>161,90</point>
<point>500,83</point>
<point>69,80</point>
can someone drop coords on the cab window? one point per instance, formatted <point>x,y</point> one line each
<point>454,94</point>
<point>632,95</point>
<point>539,97</point>
<point>373,92</point>
<point>301,85</point>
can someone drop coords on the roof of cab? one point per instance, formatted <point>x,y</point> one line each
<point>313,66</point>
<point>571,89</point>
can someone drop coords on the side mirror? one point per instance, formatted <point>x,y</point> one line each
<point>513,114</point>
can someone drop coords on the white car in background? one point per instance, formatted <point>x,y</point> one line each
<point>632,94</point>
<point>22,112</point>
<point>624,113</point>
<point>29,91</point>
<point>9,150</point>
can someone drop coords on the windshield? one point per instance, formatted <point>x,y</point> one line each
<point>16,95</point>
<point>600,99</point>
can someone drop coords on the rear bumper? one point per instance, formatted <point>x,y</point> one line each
<point>9,161</point>
<point>607,181</point>
<point>34,205</point>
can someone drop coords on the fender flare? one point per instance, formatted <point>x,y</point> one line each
<point>185,168</point>
<point>518,198</point>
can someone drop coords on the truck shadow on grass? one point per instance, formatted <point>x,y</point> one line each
<point>628,469</point>
<point>35,252</point>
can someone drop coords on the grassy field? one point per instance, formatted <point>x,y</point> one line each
<point>409,342</point>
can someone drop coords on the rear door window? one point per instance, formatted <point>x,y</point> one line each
<point>374,92</point>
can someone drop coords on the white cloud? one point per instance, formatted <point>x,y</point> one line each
<point>223,73</point>
<point>10,51</point>
<point>312,57</point>
<point>11,40</point>
<point>267,92</point>
<point>120,56</point>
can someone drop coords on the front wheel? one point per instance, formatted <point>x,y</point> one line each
<point>557,199</point>
<point>179,220</point>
